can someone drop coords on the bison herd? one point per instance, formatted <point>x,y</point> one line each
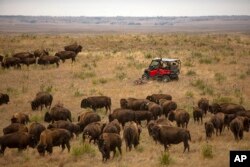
<point>158,110</point>
<point>40,57</point>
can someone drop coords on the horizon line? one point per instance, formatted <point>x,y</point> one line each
<point>122,16</point>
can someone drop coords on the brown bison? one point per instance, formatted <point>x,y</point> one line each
<point>74,47</point>
<point>58,112</point>
<point>95,102</point>
<point>35,129</point>
<point>50,138</point>
<point>18,140</point>
<point>131,135</point>
<point>154,108</point>
<point>167,135</point>
<point>161,121</point>
<point>227,119</point>
<point>74,129</point>
<point>142,115</point>
<point>28,61</point>
<point>42,98</point>
<point>109,142</point>
<point>45,60</point>
<point>180,116</point>
<point>15,127</point>
<point>209,128</point>
<point>40,53</point>
<point>20,118</point>
<point>238,125</point>
<point>218,122</point>
<point>11,62</point>
<point>167,106</point>
<point>122,115</point>
<point>4,98</point>
<point>198,114</point>
<point>112,127</point>
<point>87,119</point>
<point>23,55</point>
<point>156,97</point>
<point>93,130</point>
<point>203,104</point>
<point>63,55</point>
<point>1,58</point>
<point>226,108</point>
<point>132,103</point>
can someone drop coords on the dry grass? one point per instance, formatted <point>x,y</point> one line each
<point>215,66</point>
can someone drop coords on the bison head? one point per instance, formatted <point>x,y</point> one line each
<point>32,141</point>
<point>34,105</point>
<point>124,103</point>
<point>171,116</point>
<point>214,108</point>
<point>85,103</point>
<point>78,49</point>
<point>111,118</point>
<point>41,149</point>
<point>47,117</point>
<point>6,98</point>
<point>77,129</point>
<point>156,132</point>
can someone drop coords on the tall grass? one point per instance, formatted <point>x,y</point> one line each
<point>84,149</point>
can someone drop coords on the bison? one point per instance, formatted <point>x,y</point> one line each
<point>238,125</point>
<point>154,108</point>
<point>28,61</point>
<point>23,55</point>
<point>4,98</point>
<point>63,55</point>
<point>93,130</point>
<point>198,114</point>
<point>20,118</point>
<point>209,128</point>
<point>87,119</point>
<point>131,135</point>
<point>142,115</point>
<point>95,102</point>
<point>218,122</point>
<point>74,129</point>
<point>11,62</point>
<point>167,106</point>
<point>122,115</point>
<point>18,140</point>
<point>132,103</point>
<point>45,60</point>
<point>226,108</point>
<point>167,135</point>
<point>180,116</point>
<point>203,104</point>
<point>35,129</point>
<point>40,53</point>
<point>57,113</point>
<point>50,138</point>
<point>109,142</point>
<point>74,47</point>
<point>112,127</point>
<point>15,127</point>
<point>42,98</point>
<point>156,97</point>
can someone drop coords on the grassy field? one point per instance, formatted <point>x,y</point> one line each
<point>216,66</point>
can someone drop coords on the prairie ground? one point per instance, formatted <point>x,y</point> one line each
<point>215,66</point>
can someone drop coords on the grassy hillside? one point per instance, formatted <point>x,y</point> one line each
<point>216,66</point>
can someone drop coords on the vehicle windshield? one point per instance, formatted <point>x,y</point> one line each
<point>154,64</point>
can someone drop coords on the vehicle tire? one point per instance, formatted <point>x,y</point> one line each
<point>166,78</point>
<point>145,76</point>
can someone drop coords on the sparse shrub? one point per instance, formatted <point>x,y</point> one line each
<point>121,75</point>
<point>242,76</point>
<point>36,118</point>
<point>219,77</point>
<point>196,55</point>
<point>233,62</point>
<point>248,71</point>
<point>148,56</point>
<point>12,91</point>
<point>78,93</point>
<point>139,149</point>
<point>205,61</point>
<point>191,73</point>
<point>200,84</point>
<point>85,75</point>
<point>165,159</point>
<point>189,94</point>
<point>45,88</point>
<point>83,150</point>
<point>100,81</point>
<point>207,151</point>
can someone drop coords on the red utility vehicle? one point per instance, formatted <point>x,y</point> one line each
<point>163,69</point>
